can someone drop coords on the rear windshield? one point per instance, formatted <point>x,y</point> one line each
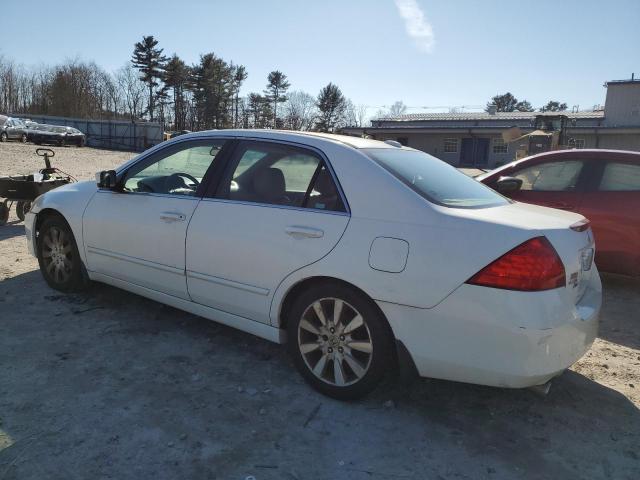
<point>434,179</point>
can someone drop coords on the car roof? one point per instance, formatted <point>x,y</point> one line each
<point>603,154</point>
<point>579,151</point>
<point>293,136</point>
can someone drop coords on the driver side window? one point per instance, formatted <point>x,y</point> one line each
<point>551,176</point>
<point>177,170</point>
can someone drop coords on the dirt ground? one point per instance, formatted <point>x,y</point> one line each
<point>110,385</point>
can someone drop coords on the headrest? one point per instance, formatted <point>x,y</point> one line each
<point>324,183</point>
<point>269,183</point>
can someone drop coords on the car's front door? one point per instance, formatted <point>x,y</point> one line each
<point>276,210</point>
<point>613,206</point>
<point>554,183</point>
<point>14,129</point>
<point>137,232</point>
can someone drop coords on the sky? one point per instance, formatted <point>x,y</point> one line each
<point>426,53</point>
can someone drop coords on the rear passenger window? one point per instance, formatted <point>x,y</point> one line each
<point>551,177</point>
<point>279,174</point>
<point>620,177</point>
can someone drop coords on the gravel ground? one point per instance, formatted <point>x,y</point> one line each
<point>110,385</point>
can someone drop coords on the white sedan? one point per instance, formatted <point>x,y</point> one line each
<point>354,252</point>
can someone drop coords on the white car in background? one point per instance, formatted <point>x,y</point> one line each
<point>352,251</point>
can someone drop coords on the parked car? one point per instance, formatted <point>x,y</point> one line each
<point>602,185</point>
<point>42,134</point>
<point>353,251</point>
<point>12,129</point>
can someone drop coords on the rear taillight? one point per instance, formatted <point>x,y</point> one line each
<point>531,266</point>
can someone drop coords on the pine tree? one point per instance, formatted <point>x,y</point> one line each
<point>212,86</point>
<point>175,76</point>
<point>149,60</point>
<point>503,103</point>
<point>332,106</point>
<point>239,76</point>
<point>275,92</point>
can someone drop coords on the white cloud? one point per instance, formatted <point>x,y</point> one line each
<point>416,24</point>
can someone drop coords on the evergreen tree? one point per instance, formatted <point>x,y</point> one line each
<point>503,103</point>
<point>554,106</point>
<point>239,76</point>
<point>332,106</point>
<point>275,92</point>
<point>524,106</point>
<point>175,76</point>
<point>149,60</point>
<point>260,109</point>
<point>212,86</point>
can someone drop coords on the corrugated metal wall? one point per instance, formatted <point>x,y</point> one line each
<point>112,134</point>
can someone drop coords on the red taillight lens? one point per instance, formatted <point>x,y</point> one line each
<point>532,266</point>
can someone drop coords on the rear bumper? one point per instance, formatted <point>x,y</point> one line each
<point>497,337</point>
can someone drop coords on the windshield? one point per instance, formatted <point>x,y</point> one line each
<point>434,179</point>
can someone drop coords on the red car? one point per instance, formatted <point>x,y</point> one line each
<point>602,185</point>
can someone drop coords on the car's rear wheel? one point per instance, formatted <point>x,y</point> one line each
<point>3,137</point>
<point>339,341</point>
<point>58,256</point>
<point>23,138</point>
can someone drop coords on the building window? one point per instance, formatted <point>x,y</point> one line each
<point>579,142</point>
<point>499,145</point>
<point>450,145</point>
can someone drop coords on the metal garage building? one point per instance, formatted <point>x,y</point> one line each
<point>475,139</point>
<point>111,134</point>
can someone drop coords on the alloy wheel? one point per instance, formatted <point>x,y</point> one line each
<point>57,254</point>
<point>335,342</point>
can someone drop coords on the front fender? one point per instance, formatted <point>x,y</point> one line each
<point>70,201</point>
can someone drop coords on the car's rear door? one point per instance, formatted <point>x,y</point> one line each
<point>556,182</point>
<point>267,219</point>
<point>612,203</point>
<point>138,234</point>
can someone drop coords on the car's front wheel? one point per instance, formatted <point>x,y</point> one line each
<point>339,341</point>
<point>3,137</point>
<point>58,256</point>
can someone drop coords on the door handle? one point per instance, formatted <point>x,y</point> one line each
<point>304,232</point>
<point>173,217</point>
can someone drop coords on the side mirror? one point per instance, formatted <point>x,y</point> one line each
<point>508,184</point>
<point>106,179</point>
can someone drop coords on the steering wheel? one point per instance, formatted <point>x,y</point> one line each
<point>176,180</point>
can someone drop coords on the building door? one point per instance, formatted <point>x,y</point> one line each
<point>481,153</point>
<point>474,152</point>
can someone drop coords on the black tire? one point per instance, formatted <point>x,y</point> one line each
<point>375,330</point>
<point>22,208</point>
<point>72,278</point>
<point>4,213</point>
<point>23,138</point>
<point>3,137</point>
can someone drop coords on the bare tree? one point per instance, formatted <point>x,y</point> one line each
<point>300,111</point>
<point>398,108</point>
<point>355,115</point>
<point>132,91</point>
